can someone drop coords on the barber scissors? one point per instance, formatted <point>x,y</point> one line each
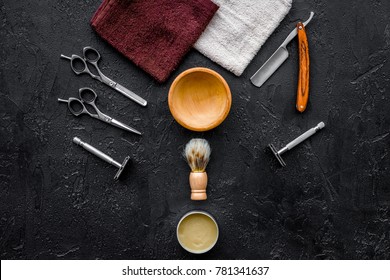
<point>88,96</point>
<point>92,56</point>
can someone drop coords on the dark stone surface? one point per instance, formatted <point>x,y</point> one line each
<point>332,201</point>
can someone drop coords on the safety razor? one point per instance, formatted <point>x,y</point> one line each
<point>103,156</point>
<point>293,143</point>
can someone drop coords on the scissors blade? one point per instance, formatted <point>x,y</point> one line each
<point>126,92</point>
<point>129,94</point>
<point>125,127</point>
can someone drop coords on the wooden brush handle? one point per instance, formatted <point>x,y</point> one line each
<point>304,63</point>
<point>198,183</point>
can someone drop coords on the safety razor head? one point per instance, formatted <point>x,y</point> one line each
<point>118,174</point>
<point>277,155</point>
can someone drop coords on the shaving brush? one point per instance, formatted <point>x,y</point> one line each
<point>197,153</point>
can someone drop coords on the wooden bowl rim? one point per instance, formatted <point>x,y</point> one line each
<point>213,124</point>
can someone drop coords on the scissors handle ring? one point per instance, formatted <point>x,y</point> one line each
<point>75,58</point>
<point>91,55</point>
<point>87,95</point>
<point>74,111</point>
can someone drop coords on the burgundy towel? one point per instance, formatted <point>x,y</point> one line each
<point>154,34</point>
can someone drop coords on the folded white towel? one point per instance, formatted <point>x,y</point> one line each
<point>239,29</point>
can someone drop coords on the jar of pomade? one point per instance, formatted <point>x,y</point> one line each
<point>197,232</point>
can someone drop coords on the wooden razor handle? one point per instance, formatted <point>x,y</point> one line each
<point>304,63</point>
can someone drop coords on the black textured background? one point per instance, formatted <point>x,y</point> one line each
<point>331,201</point>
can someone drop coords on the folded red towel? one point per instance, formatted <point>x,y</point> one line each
<point>154,34</point>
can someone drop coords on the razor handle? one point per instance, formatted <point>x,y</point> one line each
<point>304,67</point>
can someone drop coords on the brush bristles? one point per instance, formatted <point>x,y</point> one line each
<point>197,152</point>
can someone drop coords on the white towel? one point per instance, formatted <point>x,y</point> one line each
<point>239,29</point>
